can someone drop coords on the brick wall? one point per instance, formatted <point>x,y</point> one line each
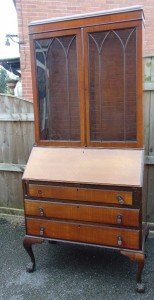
<point>30,10</point>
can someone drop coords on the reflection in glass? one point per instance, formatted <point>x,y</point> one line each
<point>58,88</point>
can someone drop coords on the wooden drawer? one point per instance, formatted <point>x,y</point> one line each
<point>80,212</point>
<point>103,235</point>
<point>80,194</point>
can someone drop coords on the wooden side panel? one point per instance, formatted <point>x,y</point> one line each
<point>90,213</point>
<point>83,233</point>
<point>71,193</point>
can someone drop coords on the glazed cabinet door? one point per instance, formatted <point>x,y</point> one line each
<point>113,76</point>
<point>58,93</point>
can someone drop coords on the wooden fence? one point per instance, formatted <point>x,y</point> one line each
<point>149,134</point>
<point>16,141</point>
<point>17,138</point>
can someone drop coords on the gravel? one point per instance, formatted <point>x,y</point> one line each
<point>65,271</point>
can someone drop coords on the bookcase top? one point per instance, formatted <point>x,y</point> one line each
<point>88,15</point>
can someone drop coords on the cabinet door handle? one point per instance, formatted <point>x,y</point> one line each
<point>41,211</point>
<point>120,199</point>
<point>42,229</point>
<point>119,241</point>
<point>119,219</point>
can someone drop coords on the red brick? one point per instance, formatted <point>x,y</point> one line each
<point>30,10</point>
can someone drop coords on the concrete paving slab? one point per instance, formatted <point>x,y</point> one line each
<point>67,272</point>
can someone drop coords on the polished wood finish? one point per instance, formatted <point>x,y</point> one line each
<point>87,85</point>
<point>85,20</point>
<point>79,212</point>
<point>132,97</point>
<point>140,259</point>
<point>83,233</point>
<point>94,166</point>
<point>91,195</point>
<point>27,243</point>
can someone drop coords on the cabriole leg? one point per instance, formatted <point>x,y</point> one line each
<point>27,243</point>
<point>140,286</point>
<point>139,258</point>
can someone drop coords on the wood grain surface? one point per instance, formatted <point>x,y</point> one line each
<point>80,194</point>
<point>83,233</point>
<point>95,166</point>
<point>90,213</point>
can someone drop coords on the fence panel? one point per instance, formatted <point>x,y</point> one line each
<point>149,134</point>
<point>16,141</point>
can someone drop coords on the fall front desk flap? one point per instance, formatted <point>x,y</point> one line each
<point>92,166</point>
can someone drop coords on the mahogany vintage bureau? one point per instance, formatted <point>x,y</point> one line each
<point>84,181</point>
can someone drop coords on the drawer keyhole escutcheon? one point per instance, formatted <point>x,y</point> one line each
<point>119,240</point>
<point>42,230</point>
<point>41,211</point>
<point>120,199</point>
<point>39,192</point>
<point>119,219</point>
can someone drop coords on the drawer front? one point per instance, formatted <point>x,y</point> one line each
<point>79,212</point>
<point>80,194</point>
<point>101,235</point>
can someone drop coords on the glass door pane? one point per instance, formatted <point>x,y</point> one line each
<point>112,85</point>
<point>57,81</point>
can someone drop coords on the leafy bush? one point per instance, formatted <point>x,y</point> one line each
<point>3,78</point>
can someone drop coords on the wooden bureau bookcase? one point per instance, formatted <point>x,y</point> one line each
<point>84,181</point>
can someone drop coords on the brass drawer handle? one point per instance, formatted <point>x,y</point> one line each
<point>41,211</point>
<point>119,241</point>
<point>119,219</point>
<point>42,231</point>
<point>120,199</point>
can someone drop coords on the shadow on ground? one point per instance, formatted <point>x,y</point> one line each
<point>67,272</point>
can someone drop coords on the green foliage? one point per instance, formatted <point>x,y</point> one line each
<point>3,78</point>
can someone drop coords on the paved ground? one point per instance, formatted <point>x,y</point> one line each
<point>66,272</point>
